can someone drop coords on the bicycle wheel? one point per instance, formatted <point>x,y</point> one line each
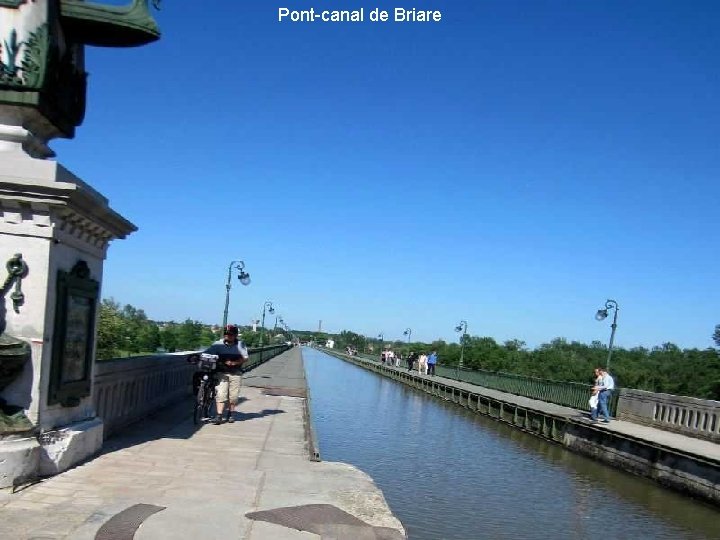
<point>209,400</point>
<point>199,410</point>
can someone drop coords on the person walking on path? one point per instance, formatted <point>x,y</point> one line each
<point>431,361</point>
<point>593,401</point>
<point>411,360</point>
<point>422,364</point>
<point>232,354</point>
<point>605,388</point>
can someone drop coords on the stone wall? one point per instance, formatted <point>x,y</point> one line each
<point>128,389</point>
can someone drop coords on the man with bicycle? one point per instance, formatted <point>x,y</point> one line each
<point>232,354</point>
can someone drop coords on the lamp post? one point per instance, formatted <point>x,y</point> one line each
<point>269,306</point>
<point>244,278</point>
<point>462,327</point>
<point>601,315</point>
<point>381,337</point>
<point>408,333</point>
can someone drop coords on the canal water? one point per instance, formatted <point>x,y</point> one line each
<point>448,473</point>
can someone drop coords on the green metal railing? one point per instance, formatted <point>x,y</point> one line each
<point>259,355</point>
<point>568,394</point>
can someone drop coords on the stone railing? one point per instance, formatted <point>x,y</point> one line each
<point>128,389</point>
<point>695,417</point>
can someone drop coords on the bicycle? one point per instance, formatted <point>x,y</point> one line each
<point>205,394</point>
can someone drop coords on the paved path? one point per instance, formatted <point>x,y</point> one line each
<point>688,445</point>
<point>181,482</point>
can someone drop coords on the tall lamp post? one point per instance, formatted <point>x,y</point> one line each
<point>268,305</point>
<point>244,278</point>
<point>408,333</point>
<point>381,337</point>
<point>601,315</point>
<point>462,327</point>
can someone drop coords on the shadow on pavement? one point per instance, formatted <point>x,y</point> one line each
<point>171,422</point>
<point>241,416</point>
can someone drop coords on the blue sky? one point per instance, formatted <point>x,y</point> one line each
<point>514,165</point>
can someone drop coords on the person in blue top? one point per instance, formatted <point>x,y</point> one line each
<point>432,360</point>
<point>605,387</point>
<point>232,354</point>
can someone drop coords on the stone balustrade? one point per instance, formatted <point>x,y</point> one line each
<point>694,417</point>
<point>127,389</point>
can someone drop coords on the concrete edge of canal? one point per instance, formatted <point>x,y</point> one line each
<point>694,475</point>
<point>354,492</point>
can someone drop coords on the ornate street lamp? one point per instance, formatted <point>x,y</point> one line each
<point>381,337</point>
<point>268,305</point>
<point>244,278</point>
<point>601,315</point>
<point>462,327</point>
<point>408,333</point>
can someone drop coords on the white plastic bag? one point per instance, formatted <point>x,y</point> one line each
<point>593,401</point>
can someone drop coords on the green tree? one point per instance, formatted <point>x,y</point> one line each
<point>148,339</point>
<point>168,337</point>
<point>351,339</point>
<point>716,335</point>
<point>109,332</point>
<point>189,335</point>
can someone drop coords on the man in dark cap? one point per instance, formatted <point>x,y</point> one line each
<point>232,354</point>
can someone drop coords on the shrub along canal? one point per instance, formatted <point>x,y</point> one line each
<point>448,473</point>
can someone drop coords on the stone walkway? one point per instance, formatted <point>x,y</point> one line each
<point>674,441</point>
<point>178,481</point>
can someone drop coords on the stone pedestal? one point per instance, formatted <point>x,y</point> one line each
<point>62,228</point>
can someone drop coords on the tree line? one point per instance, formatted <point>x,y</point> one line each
<point>666,368</point>
<point>127,331</point>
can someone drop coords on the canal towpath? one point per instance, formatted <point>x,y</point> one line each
<point>165,478</point>
<point>673,441</point>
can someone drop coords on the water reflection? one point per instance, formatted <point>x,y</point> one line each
<point>449,473</point>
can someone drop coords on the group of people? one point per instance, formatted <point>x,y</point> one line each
<point>601,393</point>
<point>425,362</point>
<point>389,358</point>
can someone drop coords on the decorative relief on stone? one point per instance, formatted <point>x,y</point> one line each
<point>83,229</point>
<point>73,336</point>
<point>22,63</point>
<point>13,352</point>
<point>17,269</point>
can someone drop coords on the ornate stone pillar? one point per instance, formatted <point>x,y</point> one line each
<point>62,228</point>
<point>54,231</point>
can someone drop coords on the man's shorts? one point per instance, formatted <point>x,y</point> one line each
<point>228,384</point>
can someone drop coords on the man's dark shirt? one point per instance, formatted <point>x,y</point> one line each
<point>228,351</point>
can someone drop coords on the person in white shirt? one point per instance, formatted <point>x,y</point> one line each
<point>422,364</point>
<point>605,386</point>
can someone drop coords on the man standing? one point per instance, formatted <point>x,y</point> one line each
<point>432,360</point>
<point>232,354</point>
<point>411,360</point>
<point>605,386</point>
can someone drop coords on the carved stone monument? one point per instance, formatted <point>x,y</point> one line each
<point>54,232</point>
